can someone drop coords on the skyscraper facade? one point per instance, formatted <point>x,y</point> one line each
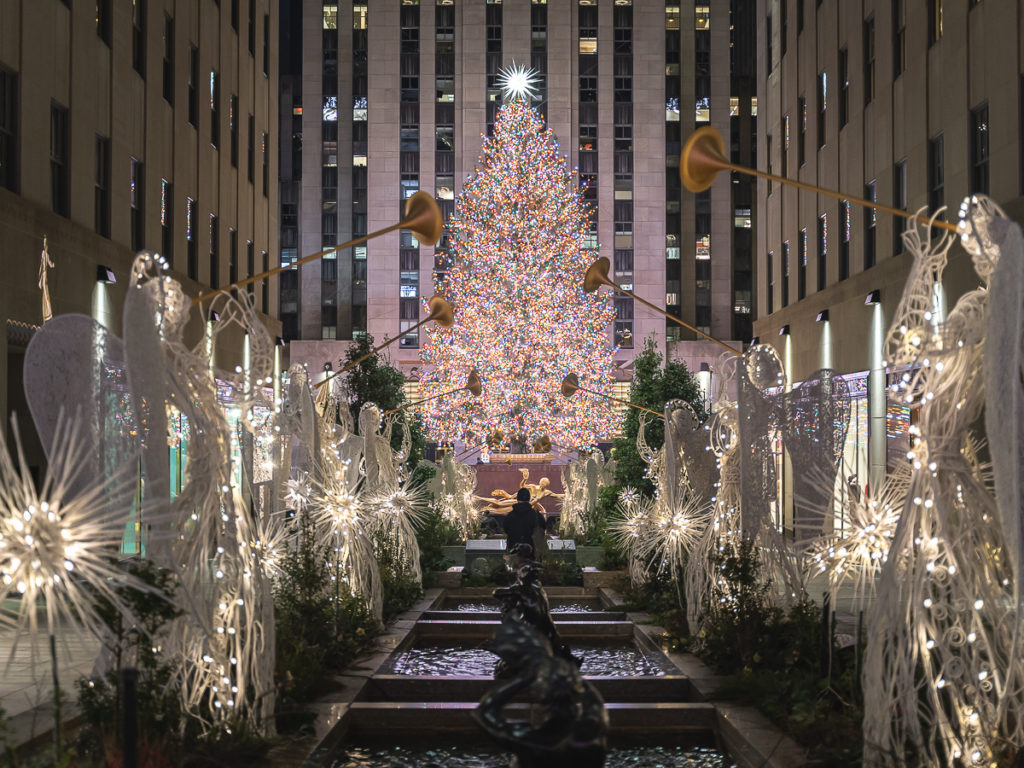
<point>908,104</point>
<point>384,99</point>
<point>128,125</point>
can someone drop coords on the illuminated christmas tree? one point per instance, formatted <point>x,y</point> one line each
<point>522,319</point>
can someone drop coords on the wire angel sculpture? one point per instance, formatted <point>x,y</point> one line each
<point>943,677</point>
<point>226,638</point>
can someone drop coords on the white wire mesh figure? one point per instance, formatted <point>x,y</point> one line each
<point>943,677</point>
<point>226,644</point>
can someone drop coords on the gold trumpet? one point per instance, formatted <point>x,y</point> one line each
<point>422,217</point>
<point>597,275</point>
<point>472,386</point>
<point>440,311</point>
<point>571,383</point>
<point>703,157</point>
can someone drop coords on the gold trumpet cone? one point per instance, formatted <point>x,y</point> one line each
<point>571,382</point>
<point>423,218</point>
<point>702,158</point>
<point>597,275</point>
<point>441,311</point>
<point>473,384</point>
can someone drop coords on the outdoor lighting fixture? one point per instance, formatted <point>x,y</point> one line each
<point>105,275</point>
<point>328,366</point>
<point>822,316</point>
<point>784,330</point>
<point>755,341</point>
<point>875,297</point>
<point>280,341</point>
<point>705,368</point>
<point>214,316</point>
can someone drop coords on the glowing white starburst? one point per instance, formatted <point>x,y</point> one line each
<point>518,82</point>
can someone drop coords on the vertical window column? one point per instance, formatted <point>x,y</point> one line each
<point>673,187</point>
<point>539,52</point>
<point>409,164</point>
<point>785,274</point>
<point>622,16</point>
<point>702,200</point>
<point>214,252</point>
<point>8,129</point>
<point>844,241</point>
<point>360,70</point>
<point>870,225</point>
<point>979,148</point>
<point>444,128</point>
<point>101,203</point>
<point>899,200</point>
<point>588,109</point>
<point>822,251</point>
<point>190,239</point>
<point>493,62</point>
<point>801,268</point>
<point>329,175</point>
<point>59,168</point>
<point>167,221</point>
<point>136,199</point>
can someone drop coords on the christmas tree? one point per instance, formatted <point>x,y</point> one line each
<point>522,319</point>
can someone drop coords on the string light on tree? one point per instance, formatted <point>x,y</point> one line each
<point>523,320</point>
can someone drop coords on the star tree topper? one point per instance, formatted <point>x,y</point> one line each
<point>518,82</point>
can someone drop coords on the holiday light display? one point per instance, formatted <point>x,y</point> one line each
<point>943,671</point>
<point>522,318</point>
<point>58,544</point>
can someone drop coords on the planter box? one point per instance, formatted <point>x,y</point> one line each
<point>456,553</point>
<point>589,556</point>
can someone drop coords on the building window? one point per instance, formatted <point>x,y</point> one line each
<point>8,129</point>
<point>870,225</point>
<point>822,106</point>
<point>801,136</point>
<point>844,87</point>
<point>844,241</point>
<point>769,64</point>
<point>265,284</point>
<point>822,250</point>
<point>979,149</point>
<point>101,206</point>
<point>785,146</point>
<point>934,21</point>
<point>899,199</point>
<point>136,201</point>
<point>771,282</point>
<point>768,152</point>
<point>266,51</point>
<point>59,170</point>
<point>168,70</point>
<point>250,152</point>
<point>234,15</point>
<point>167,220</point>
<point>193,86</point>
<point>232,256</point>
<point>936,174</point>
<point>266,164</point>
<point>214,252</point>
<point>252,28</point>
<point>233,129</point>
<point>869,59</point>
<point>214,108</point>
<point>139,36</point>
<point>785,274</point>
<point>799,16</point>
<point>190,239</point>
<point>801,267</point>
<point>899,38</point>
<point>103,20</point>
<point>783,26</point>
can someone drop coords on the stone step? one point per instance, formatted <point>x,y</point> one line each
<point>414,719</point>
<point>495,615</point>
<point>397,688</point>
<point>476,629</point>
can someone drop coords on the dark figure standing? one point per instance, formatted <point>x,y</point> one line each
<point>522,520</point>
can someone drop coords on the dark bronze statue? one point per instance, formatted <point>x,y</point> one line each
<point>569,724</point>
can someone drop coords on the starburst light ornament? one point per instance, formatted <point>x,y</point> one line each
<point>518,82</point>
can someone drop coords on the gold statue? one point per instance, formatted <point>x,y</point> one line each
<point>501,501</point>
<point>45,262</point>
